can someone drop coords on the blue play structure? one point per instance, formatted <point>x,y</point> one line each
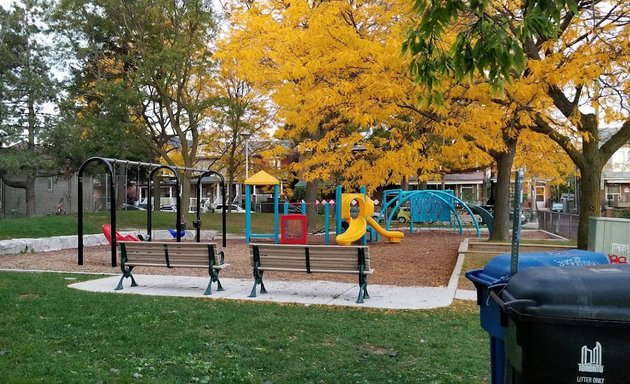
<point>426,206</point>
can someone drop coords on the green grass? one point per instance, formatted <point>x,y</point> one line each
<point>46,226</point>
<point>473,261</point>
<point>54,334</point>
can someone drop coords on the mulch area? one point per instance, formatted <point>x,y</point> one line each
<point>424,258</point>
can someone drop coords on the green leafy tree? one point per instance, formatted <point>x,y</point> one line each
<point>240,117</point>
<point>26,86</point>
<point>151,59</point>
<point>570,59</point>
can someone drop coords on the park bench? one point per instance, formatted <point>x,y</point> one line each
<point>171,255</point>
<point>311,259</point>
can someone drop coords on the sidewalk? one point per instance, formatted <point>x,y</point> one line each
<point>297,292</point>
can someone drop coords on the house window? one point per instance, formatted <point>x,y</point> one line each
<point>50,183</point>
<point>540,193</point>
<point>613,192</point>
<point>468,193</point>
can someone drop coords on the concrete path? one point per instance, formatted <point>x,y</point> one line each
<point>298,292</point>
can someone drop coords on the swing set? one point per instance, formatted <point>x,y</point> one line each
<point>110,166</point>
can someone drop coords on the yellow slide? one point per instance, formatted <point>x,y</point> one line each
<point>392,236</point>
<point>356,229</point>
<point>363,209</point>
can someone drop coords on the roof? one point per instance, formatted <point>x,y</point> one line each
<point>615,177</point>
<point>262,178</point>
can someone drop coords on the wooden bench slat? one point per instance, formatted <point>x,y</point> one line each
<point>280,269</point>
<point>350,265</point>
<point>162,258</point>
<point>177,265</point>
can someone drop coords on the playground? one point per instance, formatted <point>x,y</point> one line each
<point>394,254</point>
<point>400,255</point>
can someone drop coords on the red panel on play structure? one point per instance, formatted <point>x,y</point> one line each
<point>293,229</point>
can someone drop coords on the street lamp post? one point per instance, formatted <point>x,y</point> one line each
<point>246,136</point>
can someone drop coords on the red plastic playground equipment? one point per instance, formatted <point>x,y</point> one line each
<point>293,229</point>
<point>107,231</point>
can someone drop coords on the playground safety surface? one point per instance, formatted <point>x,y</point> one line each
<point>420,272</point>
<point>422,259</point>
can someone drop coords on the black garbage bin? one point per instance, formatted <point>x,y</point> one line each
<point>568,325</point>
<point>496,273</point>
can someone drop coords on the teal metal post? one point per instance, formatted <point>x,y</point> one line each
<point>516,220</point>
<point>338,210</point>
<point>326,222</point>
<point>248,214</point>
<point>276,215</point>
<point>364,237</point>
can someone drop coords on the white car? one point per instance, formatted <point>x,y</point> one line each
<point>557,207</point>
<point>233,207</point>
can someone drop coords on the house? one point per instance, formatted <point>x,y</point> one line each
<point>53,194</point>
<point>615,184</point>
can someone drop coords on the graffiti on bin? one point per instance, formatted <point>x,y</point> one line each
<point>576,261</point>
<point>616,259</point>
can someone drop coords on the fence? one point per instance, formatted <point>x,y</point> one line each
<point>562,224</point>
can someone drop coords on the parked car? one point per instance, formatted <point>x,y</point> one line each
<point>168,208</point>
<point>292,209</point>
<point>557,207</point>
<point>523,217</point>
<point>131,207</point>
<point>376,217</point>
<point>233,207</point>
<point>403,215</point>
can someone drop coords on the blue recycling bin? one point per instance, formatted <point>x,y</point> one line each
<point>496,274</point>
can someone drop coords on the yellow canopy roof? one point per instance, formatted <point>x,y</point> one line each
<point>262,178</point>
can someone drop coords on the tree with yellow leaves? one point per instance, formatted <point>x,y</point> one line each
<point>335,73</point>
<point>570,59</point>
<point>472,119</point>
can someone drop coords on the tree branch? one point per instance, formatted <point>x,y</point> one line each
<point>542,126</point>
<point>621,137</point>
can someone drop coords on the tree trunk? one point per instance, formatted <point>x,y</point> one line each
<point>311,208</point>
<point>591,173</point>
<point>30,179</point>
<point>231,170</point>
<point>404,185</point>
<point>185,180</point>
<point>230,189</point>
<point>28,185</point>
<point>121,185</point>
<point>156,192</point>
<point>501,211</point>
<point>30,196</point>
<point>589,203</point>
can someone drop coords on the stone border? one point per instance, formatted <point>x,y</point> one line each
<point>58,243</point>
